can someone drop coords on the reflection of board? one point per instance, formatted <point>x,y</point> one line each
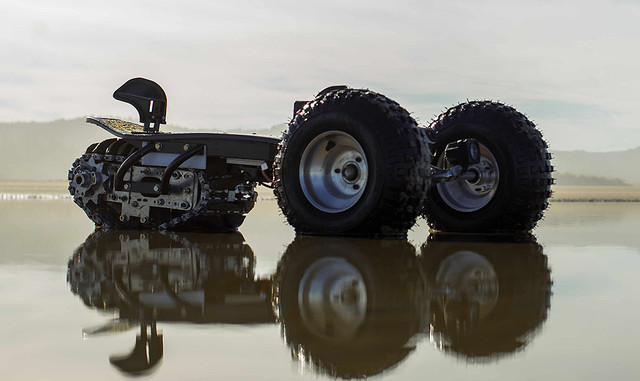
<point>240,146</point>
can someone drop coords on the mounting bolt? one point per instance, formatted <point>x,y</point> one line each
<point>160,202</point>
<point>143,220</point>
<point>156,188</point>
<point>176,175</point>
<point>184,205</point>
<point>134,204</point>
<point>127,186</point>
<point>123,218</point>
<point>158,146</point>
<point>186,147</point>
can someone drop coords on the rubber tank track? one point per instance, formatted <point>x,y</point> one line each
<point>91,181</point>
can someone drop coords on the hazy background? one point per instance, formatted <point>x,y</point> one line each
<point>572,66</point>
<point>45,151</point>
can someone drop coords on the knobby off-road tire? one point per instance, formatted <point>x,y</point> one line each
<point>513,180</point>
<point>353,162</point>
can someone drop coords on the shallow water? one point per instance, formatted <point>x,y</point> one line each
<point>265,305</point>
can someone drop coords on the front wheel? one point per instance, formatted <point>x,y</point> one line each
<point>511,183</point>
<point>353,162</point>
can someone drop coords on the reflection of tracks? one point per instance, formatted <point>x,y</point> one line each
<point>150,277</point>
<point>348,307</point>
<point>193,277</point>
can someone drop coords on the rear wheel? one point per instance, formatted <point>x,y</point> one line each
<point>512,181</point>
<point>353,162</point>
<point>214,203</point>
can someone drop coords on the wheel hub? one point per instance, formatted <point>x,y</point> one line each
<point>350,172</point>
<point>333,171</point>
<point>470,195</point>
<point>86,178</point>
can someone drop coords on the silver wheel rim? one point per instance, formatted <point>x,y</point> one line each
<point>333,171</point>
<point>332,298</point>
<point>472,195</point>
<point>467,275</point>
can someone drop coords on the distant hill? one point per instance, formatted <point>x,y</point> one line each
<point>46,150</point>
<point>583,180</point>
<point>620,164</point>
<point>43,151</point>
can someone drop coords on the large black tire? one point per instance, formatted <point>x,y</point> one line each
<point>353,162</point>
<point>515,183</point>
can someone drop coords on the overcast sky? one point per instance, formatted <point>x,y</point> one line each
<point>571,66</point>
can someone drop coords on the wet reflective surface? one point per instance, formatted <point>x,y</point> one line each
<point>263,304</point>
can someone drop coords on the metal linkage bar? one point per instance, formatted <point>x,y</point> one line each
<point>454,173</point>
<point>168,172</point>
<point>118,183</point>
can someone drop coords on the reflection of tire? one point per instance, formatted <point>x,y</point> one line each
<point>352,163</point>
<point>513,178</point>
<point>504,317</point>
<point>373,305</point>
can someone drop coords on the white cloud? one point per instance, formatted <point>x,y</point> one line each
<point>243,64</point>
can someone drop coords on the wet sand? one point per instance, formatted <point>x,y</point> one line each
<point>563,306</point>
<point>596,194</point>
<point>35,189</point>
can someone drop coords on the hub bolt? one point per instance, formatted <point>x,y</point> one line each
<point>350,172</point>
